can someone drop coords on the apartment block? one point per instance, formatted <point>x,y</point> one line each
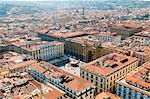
<point>39,50</point>
<point>140,39</point>
<point>136,85</point>
<point>109,37</point>
<point>11,62</point>
<point>125,30</point>
<point>73,86</point>
<point>22,85</point>
<point>105,71</point>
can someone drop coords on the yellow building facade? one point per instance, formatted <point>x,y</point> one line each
<point>103,74</point>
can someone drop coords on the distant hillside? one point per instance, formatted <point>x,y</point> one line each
<point>91,4</point>
<point>24,7</point>
<point>11,9</point>
<point>4,8</point>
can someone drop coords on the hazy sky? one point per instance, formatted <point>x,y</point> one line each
<point>38,0</point>
<point>50,0</point>
<point>34,0</point>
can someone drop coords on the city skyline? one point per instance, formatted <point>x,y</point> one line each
<point>74,49</point>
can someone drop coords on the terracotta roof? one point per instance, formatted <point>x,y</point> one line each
<point>136,79</point>
<point>37,67</point>
<point>53,93</point>
<point>23,64</point>
<point>17,97</point>
<point>107,95</point>
<point>67,34</point>
<point>106,35</point>
<point>139,78</point>
<point>77,84</point>
<point>102,70</point>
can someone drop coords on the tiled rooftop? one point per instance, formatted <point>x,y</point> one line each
<point>87,40</point>
<point>70,34</point>
<point>145,50</point>
<point>139,79</point>
<point>71,81</point>
<point>111,35</point>
<point>144,33</point>
<point>21,85</point>
<point>126,26</point>
<point>12,60</point>
<point>108,64</point>
<point>107,95</point>
<point>67,34</point>
<point>33,45</point>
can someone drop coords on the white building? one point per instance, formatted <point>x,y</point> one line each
<point>47,51</point>
<point>39,50</point>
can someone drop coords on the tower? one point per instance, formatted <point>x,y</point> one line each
<point>54,21</point>
<point>83,12</point>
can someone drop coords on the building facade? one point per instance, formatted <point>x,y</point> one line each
<point>85,48</point>
<point>41,50</point>
<point>11,62</point>
<point>112,37</point>
<point>79,44</point>
<point>103,72</point>
<point>125,30</point>
<point>141,38</point>
<point>73,86</point>
<point>136,85</point>
<point>141,52</point>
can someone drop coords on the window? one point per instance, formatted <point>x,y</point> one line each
<point>83,72</point>
<point>90,92</point>
<point>107,85</point>
<point>107,80</point>
<point>90,97</point>
<point>96,83</point>
<point>101,85</point>
<point>96,78</point>
<point>96,89</point>
<point>100,90</point>
<point>87,79</point>
<point>101,80</point>
<point>110,83</point>
<point>91,76</point>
